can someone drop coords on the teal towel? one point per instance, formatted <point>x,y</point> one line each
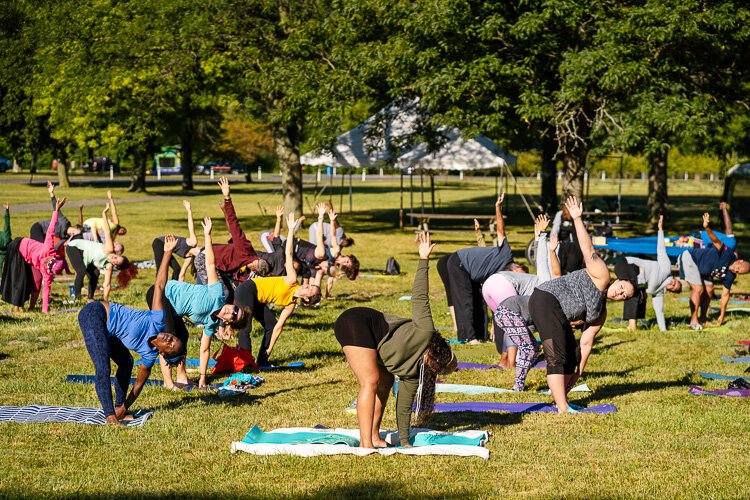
<point>257,436</point>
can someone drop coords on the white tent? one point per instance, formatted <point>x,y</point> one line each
<point>375,142</point>
<point>457,153</point>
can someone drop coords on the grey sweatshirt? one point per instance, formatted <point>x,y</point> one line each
<point>656,275</point>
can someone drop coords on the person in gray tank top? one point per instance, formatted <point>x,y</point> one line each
<point>578,298</point>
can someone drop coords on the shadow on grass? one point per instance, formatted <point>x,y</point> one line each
<point>4,356</point>
<point>5,318</point>
<point>601,348</point>
<point>470,420</point>
<point>617,373</point>
<point>380,489</point>
<point>610,391</point>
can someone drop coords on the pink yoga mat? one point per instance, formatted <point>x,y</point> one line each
<point>730,393</point>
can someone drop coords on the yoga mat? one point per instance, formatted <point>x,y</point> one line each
<point>456,341</point>
<point>294,365</point>
<point>743,342</point>
<point>481,407</point>
<point>716,376</point>
<point>745,359</point>
<point>191,362</point>
<point>730,393</point>
<point>463,365</point>
<point>470,389</point>
<point>309,442</point>
<point>65,414</point>
<point>578,388</point>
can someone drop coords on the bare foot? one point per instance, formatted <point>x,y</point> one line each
<point>379,443</point>
<point>129,416</point>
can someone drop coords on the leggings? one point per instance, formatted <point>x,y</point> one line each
<point>102,348</point>
<point>76,260</point>
<point>495,290</point>
<point>558,341</point>
<point>514,326</point>
<point>158,246</point>
<point>246,295</point>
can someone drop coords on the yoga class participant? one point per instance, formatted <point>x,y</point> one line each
<point>578,297</point>
<point>329,230</point>
<point>93,228</point>
<point>183,249</point>
<point>30,268</point>
<point>569,252</point>
<point>656,276</point>
<point>700,266</point>
<point>463,273</point>
<point>63,229</point>
<point>378,346</point>
<point>88,258</point>
<point>5,236</point>
<point>255,295</point>
<point>203,305</point>
<point>110,330</point>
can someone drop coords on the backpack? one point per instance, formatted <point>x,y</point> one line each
<point>392,267</point>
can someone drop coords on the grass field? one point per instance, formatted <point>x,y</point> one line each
<point>663,442</point>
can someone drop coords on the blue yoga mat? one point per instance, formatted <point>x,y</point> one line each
<point>65,414</point>
<point>294,365</point>
<point>191,362</point>
<point>745,359</point>
<point>716,376</point>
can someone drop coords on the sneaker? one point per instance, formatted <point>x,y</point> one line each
<point>474,342</point>
<point>696,326</point>
<point>571,409</point>
<point>575,407</point>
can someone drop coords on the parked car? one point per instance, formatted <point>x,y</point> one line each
<point>5,164</point>
<point>220,167</point>
<point>100,164</point>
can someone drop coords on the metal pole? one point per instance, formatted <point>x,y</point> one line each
<point>341,192</point>
<point>432,189</point>
<point>619,195</point>
<point>421,188</point>
<point>350,190</point>
<point>411,197</point>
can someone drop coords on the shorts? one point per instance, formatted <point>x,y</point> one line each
<point>689,269</point>
<point>361,327</point>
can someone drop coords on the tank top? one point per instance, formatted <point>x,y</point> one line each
<point>578,296</point>
<point>275,291</point>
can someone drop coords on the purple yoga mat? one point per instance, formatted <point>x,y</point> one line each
<point>463,365</point>
<point>481,407</point>
<point>731,393</point>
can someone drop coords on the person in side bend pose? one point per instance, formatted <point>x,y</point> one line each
<point>505,284</point>
<point>63,229</point>
<point>111,330</point>
<point>183,249</point>
<point>700,266</point>
<point>256,294</point>
<point>378,346</point>
<point>88,258</point>
<point>579,296</point>
<point>330,229</point>
<point>656,276</point>
<point>93,228</point>
<point>31,267</point>
<point>569,251</point>
<point>463,273</point>
<point>5,236</point>
<point>202,304</point>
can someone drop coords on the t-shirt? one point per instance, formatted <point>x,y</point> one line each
<point>197,302</point>
<point>276,259</point>
<point>275,291</point>
<point>135,328</point>
<point>483,262</point>
<point>313,234</point>
<point>93,253</point>
<point>97,224</point>
<point>714,264</point>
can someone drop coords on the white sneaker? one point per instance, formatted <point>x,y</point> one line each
<point>696,326</point>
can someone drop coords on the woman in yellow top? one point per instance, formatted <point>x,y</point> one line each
<point>93,228</point>
<point>256,294</point>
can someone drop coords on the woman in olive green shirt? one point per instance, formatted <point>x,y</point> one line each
<point>378,346</point>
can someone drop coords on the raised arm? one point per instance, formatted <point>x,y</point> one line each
<point>51,192</point>
<point>6,222</point>
<point>335,246</point>
<point>727,219</point>
<point>115,218</point>
<point>140,380</point>
<point>595,266</point>
<point>161,276</point>
<point>479,234</point>
<point>107,286</point>
<point>554,261</point>
<point>279,216</point>
<point>49,237</point>
<point>707,227</point>
<point>291,273</point>
<point>499,219</point>
<point>320,248</point>
<point>192,239</point>
<point>230,215</point>
<point>211,273</point>
<point>665,265</point>
<point>109,246</point>
<point>420,295</point>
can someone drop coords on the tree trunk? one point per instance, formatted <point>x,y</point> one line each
<point>138,179</point>
<point>186,156</point>
<point>286,148</point>
<point>657,187</point>
<point>62,173</point>
<point>549,175</point>
<point>574,166</point>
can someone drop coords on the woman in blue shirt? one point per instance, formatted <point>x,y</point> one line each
<point>110,330</point>
<point>204,305</point>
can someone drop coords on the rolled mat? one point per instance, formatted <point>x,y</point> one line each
<point>716,376</point>
<point>745,359</point>
<point>730,393</point>
<point>482,407</point>
<point>65,414</point>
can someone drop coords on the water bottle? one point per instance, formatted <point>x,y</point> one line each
<point>72,291</point>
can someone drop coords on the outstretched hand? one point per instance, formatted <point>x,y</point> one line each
<point>477,227</point>
<point>207,225</point>
<point>706,220</point>
<point>291,221</point>
<point>425,246</point>
<point>187,205</point>
<point>660,224</point>
<point>540,224</point>
<point>170,243</point>
<point>59,204</point>
<point>723,206</point>
<point>106,209</point>
<point>6,206</point>
<point>321,209</point>
<point>279,211</point>
<point>109,194</point>
<point>332,214</point>
<point>500,199</point>
<point>50,189</point>
<point>224,185</point>
<point>575,207</point>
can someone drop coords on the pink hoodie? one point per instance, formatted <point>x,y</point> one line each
<point>37,254</point>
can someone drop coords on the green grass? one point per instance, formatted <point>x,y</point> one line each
<point>663,442</point>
